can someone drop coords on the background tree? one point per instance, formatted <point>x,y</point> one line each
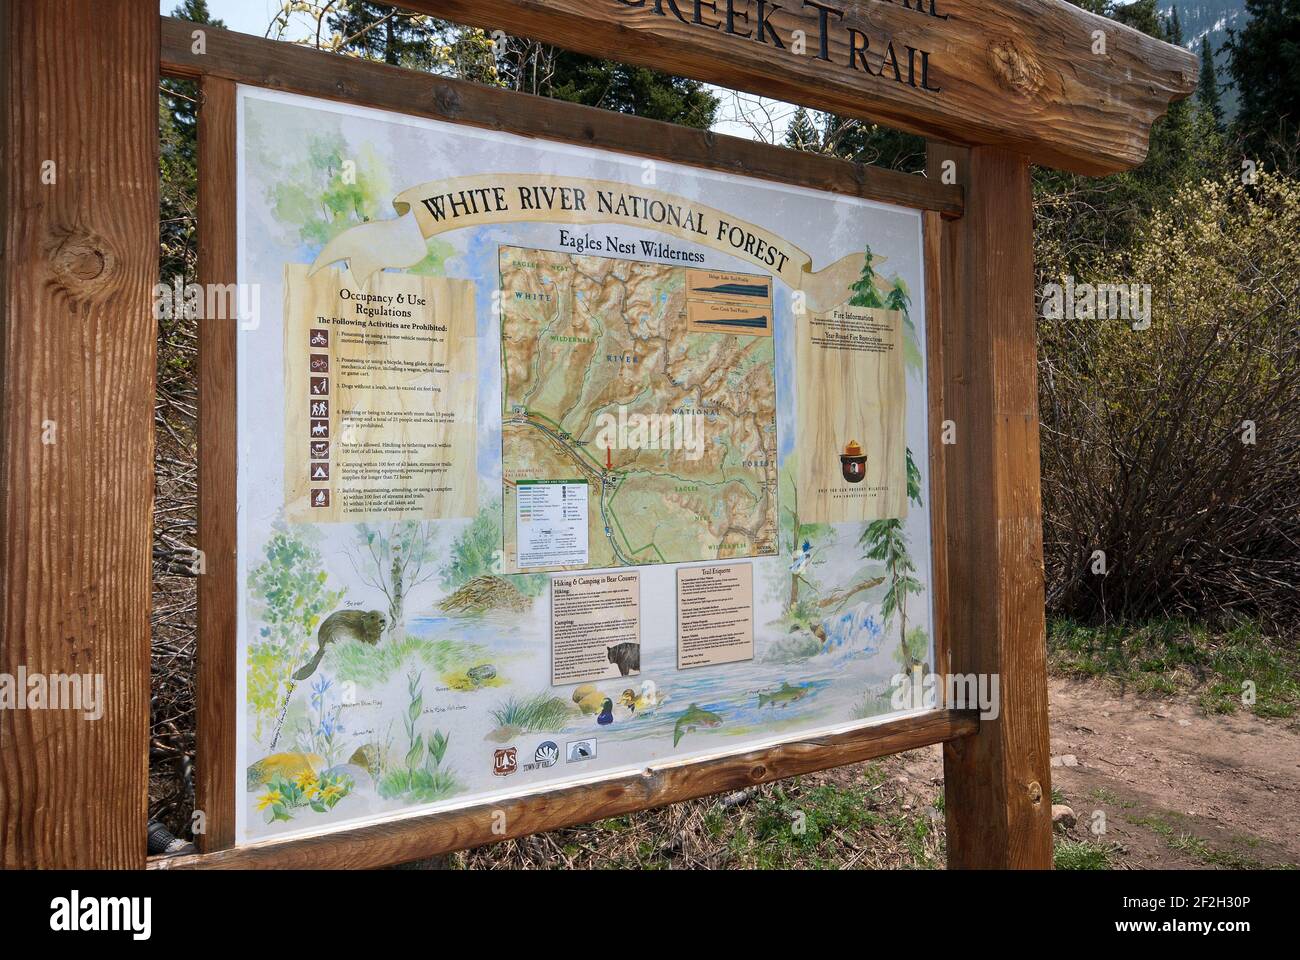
<point>1153,441</point>
<point>1207,87</point>
<point>549,72</point>
<point>802,134</point>
<point>378,31</point>
<point>1264,60</point>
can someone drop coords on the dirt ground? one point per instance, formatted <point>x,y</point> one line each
<point>1158,784</point>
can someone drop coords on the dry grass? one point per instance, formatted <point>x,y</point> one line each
<point>869,816</point>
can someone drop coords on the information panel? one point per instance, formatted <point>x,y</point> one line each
<point>555,463</point>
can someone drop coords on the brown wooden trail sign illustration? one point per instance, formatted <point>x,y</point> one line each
<point>995,86</point>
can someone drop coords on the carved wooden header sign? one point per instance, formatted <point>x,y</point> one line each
<point>1068,88</point>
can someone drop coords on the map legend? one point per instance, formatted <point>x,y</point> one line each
<point>551,519</point>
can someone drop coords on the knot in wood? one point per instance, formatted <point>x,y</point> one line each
<point>82,264</point>
<point>1016,71</point>
<point>1035,790</point>
<point>448,101</point>
<point>758,772</point>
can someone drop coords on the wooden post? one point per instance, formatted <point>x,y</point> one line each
<point>214,787</point>
<point>997,786</point>
<point>80,236</point>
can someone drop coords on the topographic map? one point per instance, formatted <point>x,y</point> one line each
<point>648,391</point>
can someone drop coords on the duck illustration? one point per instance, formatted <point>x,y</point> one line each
<point>606,716</point>
<point>647,700</point>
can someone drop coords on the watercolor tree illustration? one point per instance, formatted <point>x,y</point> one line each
<point>290,595</point>
<point>875,292</point>
<point>477,551</point>
<point>323,186</point>
<point>800,540</point>
<point>886,541</point>
<point>394,558</point>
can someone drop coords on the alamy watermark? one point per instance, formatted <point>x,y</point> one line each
<point>961,691</point>
<point>75,913</point>
<point>679,430</point>
<point>209,301</point>
<point>53,691</point>
<point>1098,301</point>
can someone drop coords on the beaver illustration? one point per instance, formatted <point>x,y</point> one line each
<point>364,625</point>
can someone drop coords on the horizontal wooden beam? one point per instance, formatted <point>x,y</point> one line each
<point>283,66</point>
<point>416,838</point>
<point>1031,75</point>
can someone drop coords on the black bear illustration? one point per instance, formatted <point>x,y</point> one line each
<point>627,657</point>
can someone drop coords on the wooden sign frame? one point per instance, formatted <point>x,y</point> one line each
<point>78,352</point>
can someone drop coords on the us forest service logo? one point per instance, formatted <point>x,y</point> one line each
<point>853,463</point>
<point>505,762</point>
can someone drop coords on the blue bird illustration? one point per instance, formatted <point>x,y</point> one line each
<point>801,559</point>
<point>606,712</point>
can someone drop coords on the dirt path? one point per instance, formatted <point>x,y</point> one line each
<point>1176,788</point>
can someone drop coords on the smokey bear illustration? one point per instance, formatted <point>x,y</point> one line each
<point>853,462</point>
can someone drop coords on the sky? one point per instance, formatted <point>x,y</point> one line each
<point>739,115</point>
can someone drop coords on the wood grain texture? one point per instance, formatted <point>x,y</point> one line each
<point>997,785</point>
<point>416,838</point>
<point>76,417</point>
<point>215,780</point>
<point>860,397</point>
<point>932,247</point>
<point>282,66</point>
<point>1014,73</point>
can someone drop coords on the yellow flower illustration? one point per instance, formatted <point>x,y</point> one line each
<point>330,792</point>
<point>306,782</point>
<point>270,798</point>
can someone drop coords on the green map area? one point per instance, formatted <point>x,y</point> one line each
<point>610,374</point>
